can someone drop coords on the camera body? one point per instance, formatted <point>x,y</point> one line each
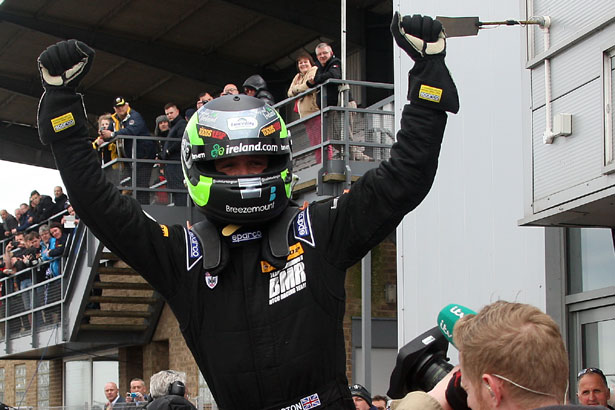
<point>420,364</point>
<point>133,395</point>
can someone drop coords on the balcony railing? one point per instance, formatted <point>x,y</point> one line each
<point>339,143</point>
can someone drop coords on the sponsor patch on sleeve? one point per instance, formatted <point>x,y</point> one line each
<point>428,93</point>
<point>193,250</point>
<point>63,122</point>
<point>303,229</point>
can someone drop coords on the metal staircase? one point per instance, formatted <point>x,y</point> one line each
<point>120,299</point>
<point>101,303</point>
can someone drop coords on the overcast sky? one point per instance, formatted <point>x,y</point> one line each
<point>19,180</point>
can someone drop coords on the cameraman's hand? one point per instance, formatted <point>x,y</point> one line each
<point>64,64</point>
<point>439,391</point>
<point>417,35</point>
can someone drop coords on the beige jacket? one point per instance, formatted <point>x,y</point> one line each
<point>416,400</point>
<point>307,105</point>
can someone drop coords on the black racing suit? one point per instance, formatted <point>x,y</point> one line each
<point>264,338</point>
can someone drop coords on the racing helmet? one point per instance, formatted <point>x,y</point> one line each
<point>231,126</point>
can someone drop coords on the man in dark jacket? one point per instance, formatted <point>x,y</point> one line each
<point>256,86</point>
<point>171,152</point>
<point>329,66</point>
<point>9,222</point>
<point>59,201</point>
<point>257,286</point>
<point>41,206</point>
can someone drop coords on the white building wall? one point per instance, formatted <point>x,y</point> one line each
<point>463,244</point>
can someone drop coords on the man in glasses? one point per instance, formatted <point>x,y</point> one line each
<point>593,389</point>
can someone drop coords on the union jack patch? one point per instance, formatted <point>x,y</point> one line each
<point>310,401</point>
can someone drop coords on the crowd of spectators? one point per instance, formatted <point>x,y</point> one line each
<point>114,130</point>
<point>33,239</point>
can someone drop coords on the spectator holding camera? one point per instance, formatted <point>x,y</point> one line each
<point>138,392</point>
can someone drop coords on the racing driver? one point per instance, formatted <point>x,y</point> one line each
<point>257,286</point>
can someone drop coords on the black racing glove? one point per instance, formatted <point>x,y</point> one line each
<point>429,82</point>
<point>456,396</point>
<point>61,112</point>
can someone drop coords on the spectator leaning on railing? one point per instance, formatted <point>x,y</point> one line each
<point>9,223</point>
<point>24,219</point>
<point>42,207</point>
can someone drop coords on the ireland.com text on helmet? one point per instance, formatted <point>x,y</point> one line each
<point>258,147</point>
<point>248,209</point>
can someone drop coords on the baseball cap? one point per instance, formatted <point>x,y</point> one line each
<point>360,391</point>
<point>119,101</point>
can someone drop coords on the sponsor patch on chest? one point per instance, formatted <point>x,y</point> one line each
<point>289,280</point>
<point>193,250</point>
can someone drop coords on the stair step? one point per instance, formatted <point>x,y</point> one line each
<point>117,271</point>
<point>122,285</point>
<point>119,328</point>
<point>135,300</point>
<point>109,256</point>
<point>116,313</point>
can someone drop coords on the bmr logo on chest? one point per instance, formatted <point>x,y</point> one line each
<point>288,281</point>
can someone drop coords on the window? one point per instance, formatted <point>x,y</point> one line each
<point>43,384</point>
<point>591,259</point>
<point>609,109</point>
<point>590,301</point>
<point>20,385</point>
<point>84,381</point>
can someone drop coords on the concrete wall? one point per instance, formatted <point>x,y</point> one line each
<point>462,244</point>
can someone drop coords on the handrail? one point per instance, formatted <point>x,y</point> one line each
<point>69,264</point>
<point>31,228</point>
<point>347,134</point>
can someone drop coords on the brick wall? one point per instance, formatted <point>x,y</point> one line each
<point>384,271</point>
<point>55,382</point>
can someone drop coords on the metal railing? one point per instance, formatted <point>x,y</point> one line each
<point>140,177</point>
<point>344,139</point>
<point>31,299</point>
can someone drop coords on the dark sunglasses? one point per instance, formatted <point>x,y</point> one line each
<point>592,370</point>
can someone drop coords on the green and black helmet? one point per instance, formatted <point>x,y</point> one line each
<point>231,126</point>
